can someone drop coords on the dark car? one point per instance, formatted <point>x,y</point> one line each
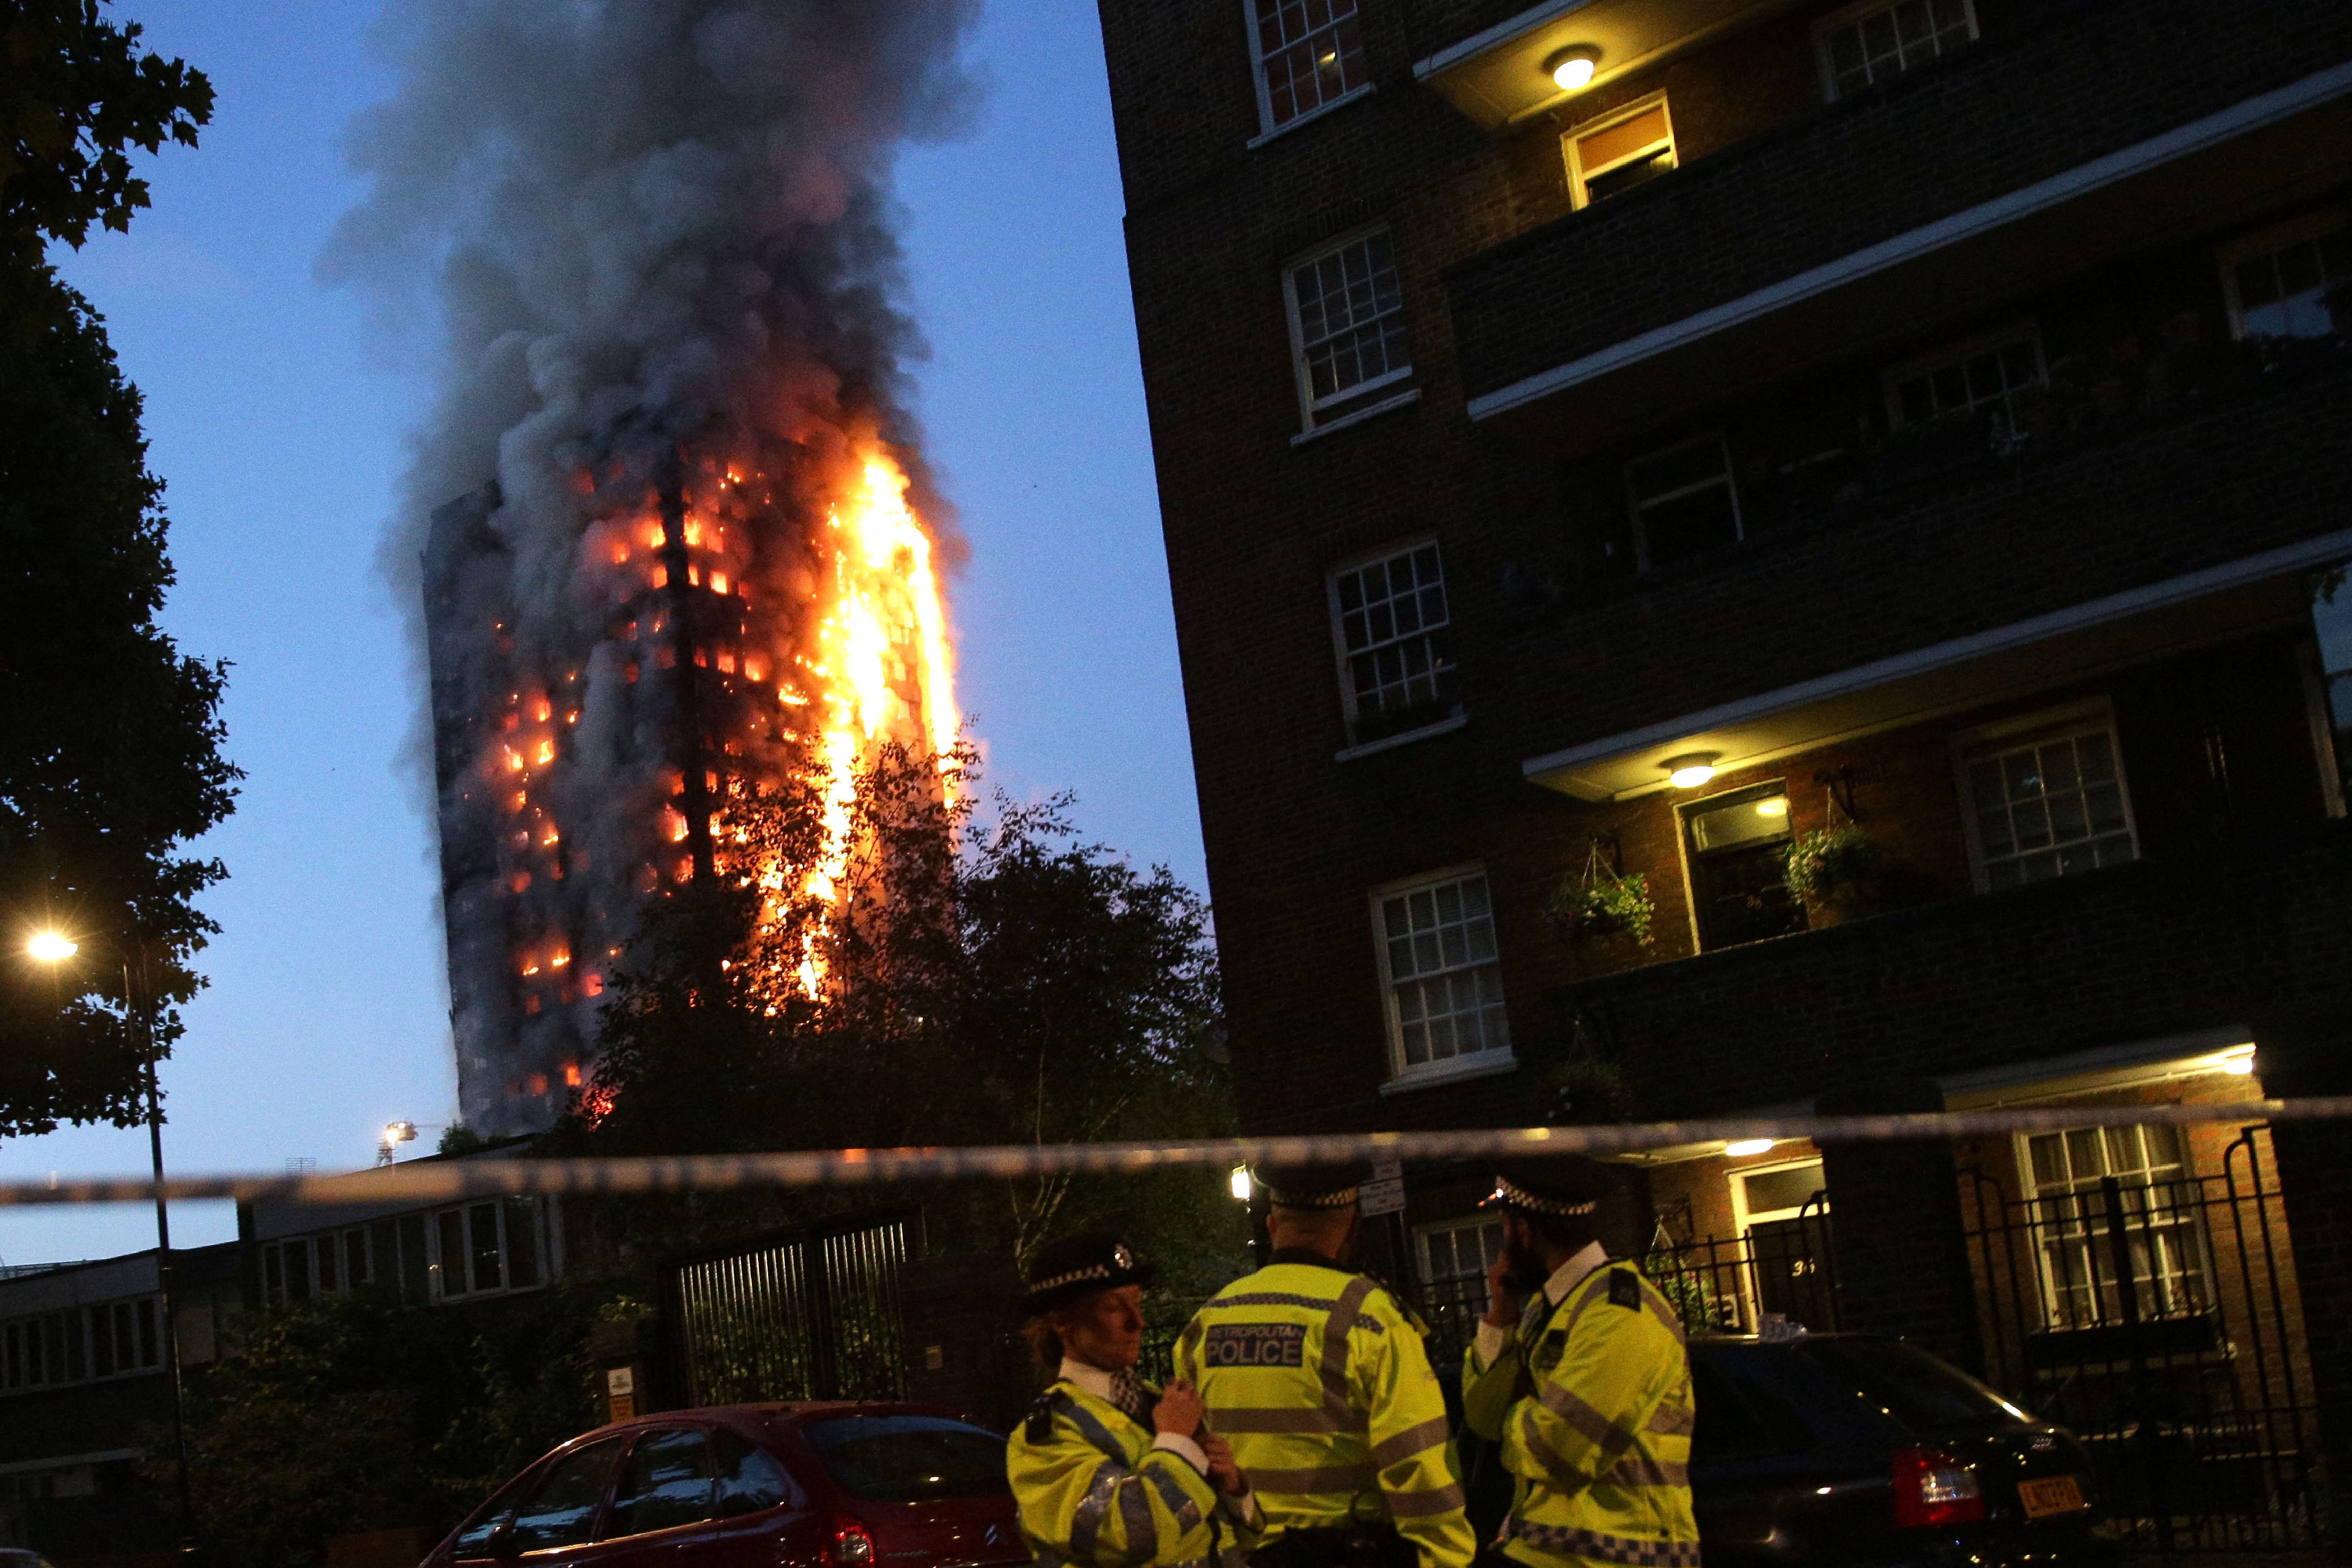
<point>1861,1451</point>
<point>1855,1449</point>
<point>799,1485</point>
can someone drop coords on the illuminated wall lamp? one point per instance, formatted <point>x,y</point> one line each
<point>1747,1146</point>
<point>1572,68</point>
<point>2238,1063</point>
<point>1238,1183</point>
<point>1691,769</point>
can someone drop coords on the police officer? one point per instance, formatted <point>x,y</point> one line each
<point>1321,1381</point>
<point>1586,1384</point>
<point>1108,1471</point>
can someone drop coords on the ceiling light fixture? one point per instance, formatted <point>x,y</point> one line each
<point>1747,1146</point>
<point>1691,769</point>
<point>1572,68</point>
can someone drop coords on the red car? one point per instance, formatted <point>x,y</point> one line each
<point>781,1486</point>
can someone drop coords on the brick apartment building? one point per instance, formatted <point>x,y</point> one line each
<point>1616,437</point>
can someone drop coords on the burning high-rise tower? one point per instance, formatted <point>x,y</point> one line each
<point>706,557</point>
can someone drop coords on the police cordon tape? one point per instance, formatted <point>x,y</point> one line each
<point>432,1180</point>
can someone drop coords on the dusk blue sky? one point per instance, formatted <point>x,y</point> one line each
<point>277,422</point>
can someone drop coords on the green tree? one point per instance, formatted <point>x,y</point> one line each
<point>984,983</point>
<point>109,759</point>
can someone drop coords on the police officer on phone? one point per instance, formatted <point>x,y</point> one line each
<point>1109,1471</point>
<point>1580,1373</point>
<point>1319,1380</point>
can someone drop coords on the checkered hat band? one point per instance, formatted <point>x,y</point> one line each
<point>1337,1199</point>
<point>1076,1276</point>
<point>1507,1190</point>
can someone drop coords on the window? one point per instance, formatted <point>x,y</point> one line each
<point>1309,53</point>
<point>1981,377</point>
<point>2160,1199</point>
<point>486,1247</point>
<point>1395,651</point>
<point>1455,1257</point>
<point>2331,625</point>
<point>2047,802</point>
<point>1444,984</point>
<point>2294,281</point>
<point>1623,150</point>
<point>1684,501</point>
<point>749,1480</point>
<point>112,1339</point>
<point>1347,324</point>
<point>1870,43</point>
<point>300,1267</point>
<point>562,1510</point>
<point>1739,876</point>
<point>666,1484</point>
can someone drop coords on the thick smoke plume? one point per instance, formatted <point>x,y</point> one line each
<point>657,233</point>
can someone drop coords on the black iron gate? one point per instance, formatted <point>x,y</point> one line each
<point>806,1313</point>
<point>2159,1321</point>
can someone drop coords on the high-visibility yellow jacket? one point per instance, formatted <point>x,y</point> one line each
<point>1321,1383</point>
<point>1094,1492</point>
<point>1591,1402</point>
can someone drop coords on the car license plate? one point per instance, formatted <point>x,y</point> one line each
<point>2049,1495</point>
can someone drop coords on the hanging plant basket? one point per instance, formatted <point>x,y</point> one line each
<point>1834,869</point>
<point>1596,903</point>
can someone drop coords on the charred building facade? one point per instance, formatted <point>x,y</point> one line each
<point>1737,555</point>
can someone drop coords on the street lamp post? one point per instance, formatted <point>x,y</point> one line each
<point>138,999</point>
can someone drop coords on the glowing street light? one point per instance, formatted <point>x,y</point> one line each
<point>52,947</point>
<point>1239,1184</point>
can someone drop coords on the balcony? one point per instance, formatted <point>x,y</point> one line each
<point>2229,937</point>
<point>2187,521</point>
<point>2096,130</point>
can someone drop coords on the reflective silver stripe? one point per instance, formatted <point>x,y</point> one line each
<point>1086,1518</point>
<point>1292,1420</point>
<point>1641,1470</point>
<point>1335,1344</point>
<point>1574,1542</point>
<point>1411,1441</point>
<point>1341,1479</point>
<point>1565,1476</point>
<point>1421,1505</point>
<point>1673,1421</point>
<point>1172,1494</point>
<point>1277,1298</point>
<point>1142,1531</point>
<point>1590,1424</point>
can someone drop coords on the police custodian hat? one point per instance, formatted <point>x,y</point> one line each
<point>1565,1187</point>
<point>1312,1186</point>
<point>1065,1269</point>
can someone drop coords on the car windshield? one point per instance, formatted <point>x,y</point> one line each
<point>901,1459</point>
<point>1925,1394</point>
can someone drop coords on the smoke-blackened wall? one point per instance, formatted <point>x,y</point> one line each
<point>655,234</point>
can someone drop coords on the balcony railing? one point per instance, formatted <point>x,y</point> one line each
<point>2086,79</point>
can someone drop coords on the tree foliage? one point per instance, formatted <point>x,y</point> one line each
<point>77,94</point>
<point>109,759</point>
<point>984,982</point>
<point>352,1413</point>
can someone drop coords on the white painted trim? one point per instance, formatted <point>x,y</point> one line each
<point>1453,1069</point>
<point>2317,551</point>
<point>1503,32</point>
<point>2239,119</point>
<point>1386,743</point>
<point>1359,90</point>
<point>1356,415</point>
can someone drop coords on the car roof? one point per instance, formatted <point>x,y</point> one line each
<point>771,1413</point>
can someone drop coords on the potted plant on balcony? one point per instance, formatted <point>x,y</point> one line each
<point>1597,903</point>
<point>1834,869</point>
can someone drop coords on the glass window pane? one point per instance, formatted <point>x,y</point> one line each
<point>562,1510</point>
<point>748,1479</point>
<point>450,1224</point>
<point>523,1242</point>
<point>666,1483</point>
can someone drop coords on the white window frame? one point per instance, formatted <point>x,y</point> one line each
<point>1636,507</point>
<point>1464,1065</point>
<point>1960,352</point>
<point>1852,14</point>
<point>1742,1216</point>
<point>1477,1220</point>
<point>2082,717</point>
<point>75,1323</point>
<point>1314,411</point>
<point>1266,125</point>
<point>1579,195</point>
<point>2050,1233</point>
<point>1340,650</point>
<point>2230,256</point>
<point>437,1274</point>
